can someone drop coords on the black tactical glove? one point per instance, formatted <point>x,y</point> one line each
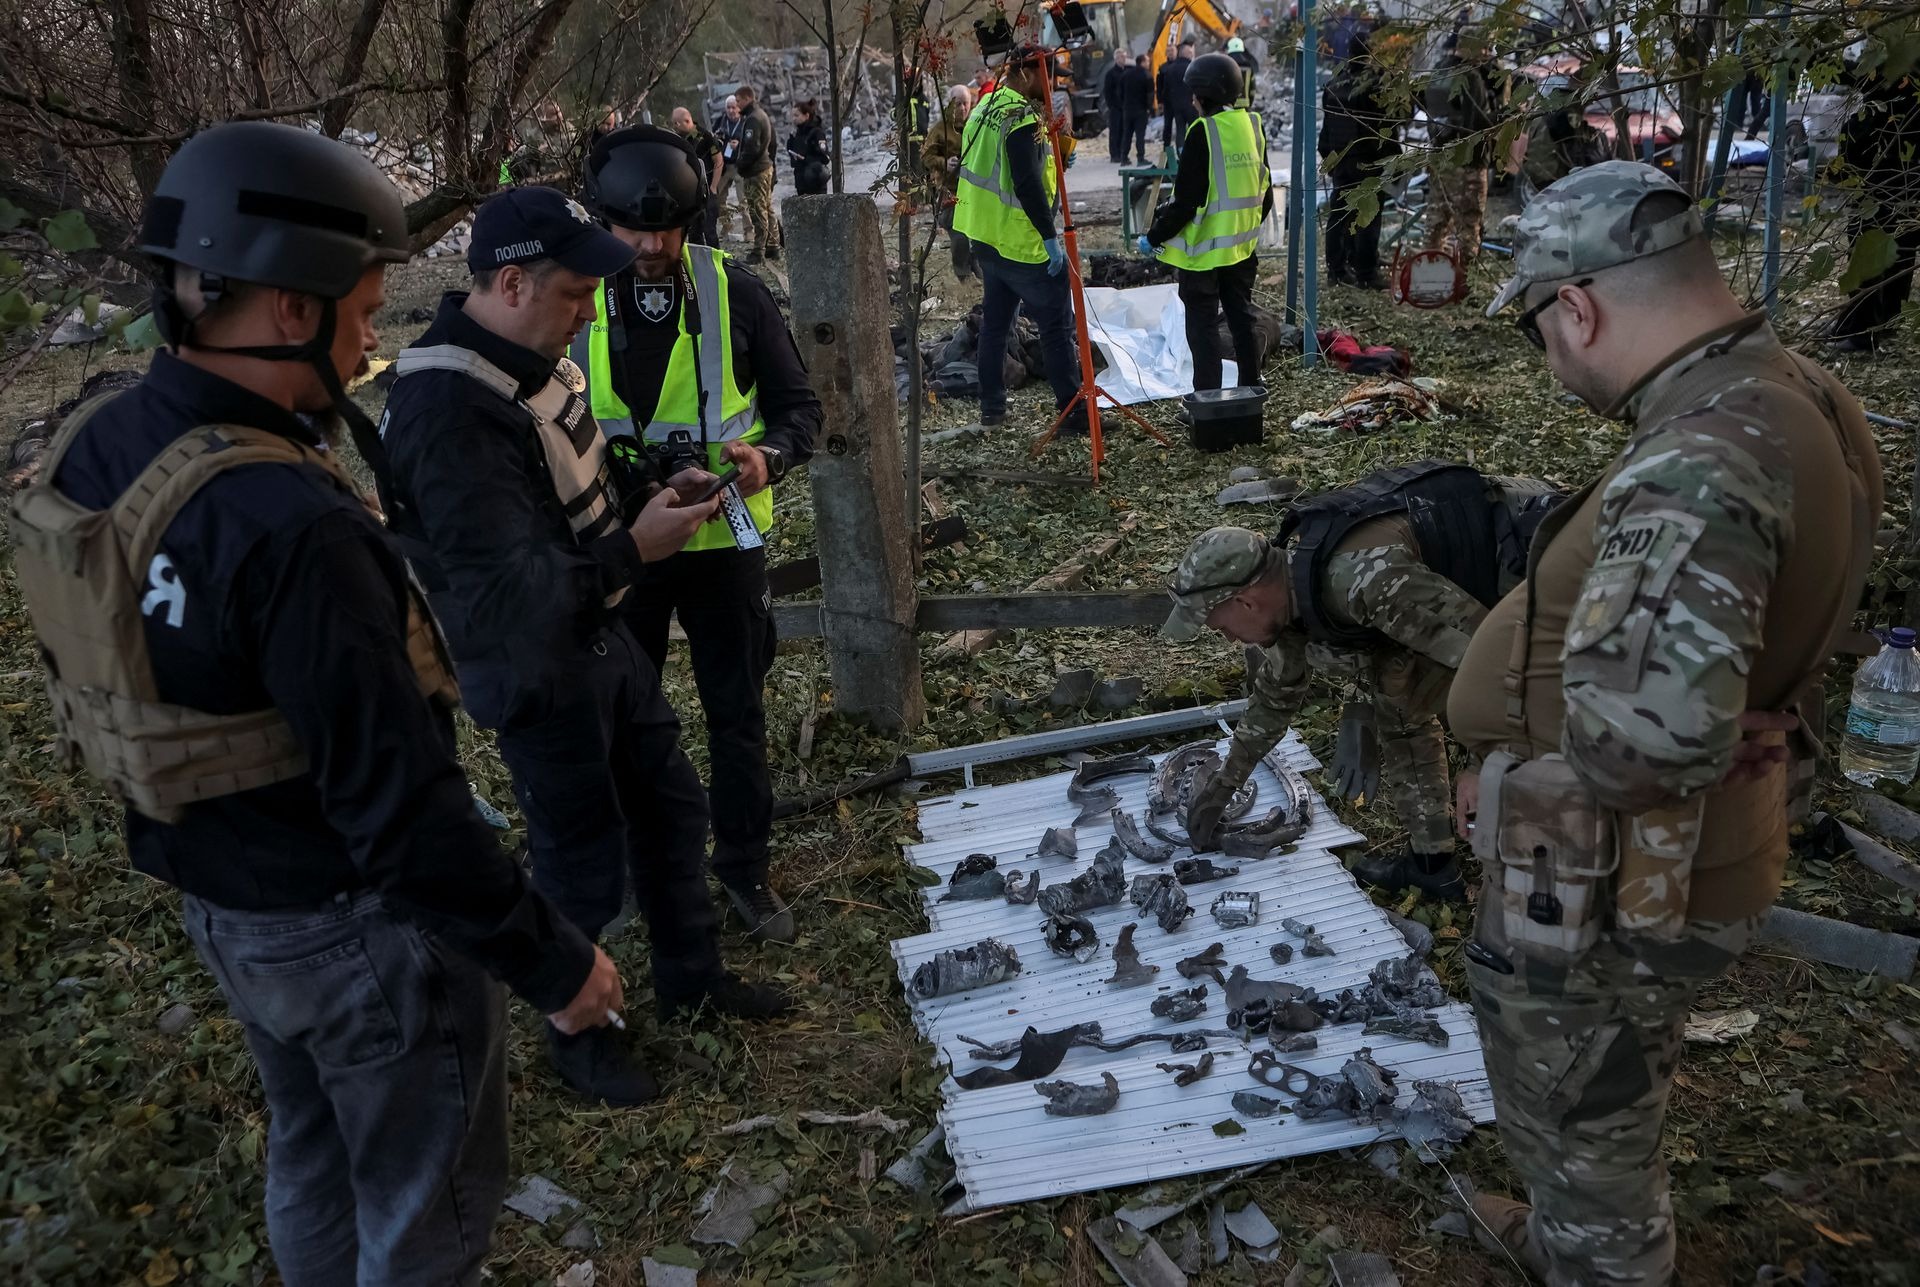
<point>1209,805</point>
<point>1356,754</point>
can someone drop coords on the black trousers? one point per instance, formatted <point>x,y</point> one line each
<point>609,796</point>
<point>1116,133</point>
<point>1875,304</point>
<point>1203,295</point>
<point>1173,130</point>
<point>1134,135</point>
<point>724,606</point>
<point>958,244</point>
<point>1349,246</point>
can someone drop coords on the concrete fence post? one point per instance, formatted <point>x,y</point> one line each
<point>841,320</point>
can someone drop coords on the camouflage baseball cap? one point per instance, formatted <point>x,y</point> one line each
<point>1221,562</point>
<point>1583,223</point>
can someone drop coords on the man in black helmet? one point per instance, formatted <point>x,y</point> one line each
<point>1208,231</point>
<point>528,542</point>
<point>689,354</point>
<point>251,672</point>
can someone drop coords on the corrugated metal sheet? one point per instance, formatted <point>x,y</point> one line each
<point>1005,1147</point>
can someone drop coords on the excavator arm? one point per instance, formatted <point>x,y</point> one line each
<point>1172,27</point>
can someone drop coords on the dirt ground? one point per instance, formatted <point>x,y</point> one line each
<point>130,1156</point>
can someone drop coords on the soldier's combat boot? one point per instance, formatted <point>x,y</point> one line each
<point>729,995</point>
<point>599,1064</point>
<point>763,912</point>
<point>1436,876</point>
<point>1500,1226</point>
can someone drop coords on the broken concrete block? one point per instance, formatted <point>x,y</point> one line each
<point>540,1199</point>
<point>175,1020</point>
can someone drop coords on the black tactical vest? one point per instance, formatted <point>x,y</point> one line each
<point>1461,529</point>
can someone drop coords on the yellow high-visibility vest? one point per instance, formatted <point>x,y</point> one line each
<point>1226,228</point>
<point>986,209</point>
<point>679,405</point>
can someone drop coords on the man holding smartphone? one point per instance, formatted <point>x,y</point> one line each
<point>688,353</point>
<point>527,543</point>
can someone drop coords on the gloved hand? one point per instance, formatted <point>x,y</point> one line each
<point>1056,256</point>
<point>1210,806</point>
<point>1356,754</point>
<point>1144,246</point>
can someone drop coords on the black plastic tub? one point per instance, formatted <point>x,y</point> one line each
<point>1223,418</point>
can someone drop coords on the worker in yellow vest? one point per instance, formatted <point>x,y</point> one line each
<point>1221,193</point>
<point>1007,199</point>
<point>690,355</point>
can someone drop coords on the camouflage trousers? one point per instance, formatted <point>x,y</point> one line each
<point>1580,1059</point>
<point>1456,209</point>
<point>1409,693</point>
<point>760,209</point>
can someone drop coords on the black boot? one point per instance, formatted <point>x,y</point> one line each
<point>598,1064</point>
<point>728,995</point>
<point>1436,876</point>
<point>763,912</point>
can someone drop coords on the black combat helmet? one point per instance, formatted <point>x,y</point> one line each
<point>276,205</point>
<point>1215,80</point>
<point>645,178</point>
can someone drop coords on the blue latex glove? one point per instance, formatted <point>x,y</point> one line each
<point>1146,247</point>
<point>1056,257</point>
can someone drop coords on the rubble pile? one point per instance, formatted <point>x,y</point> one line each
<point>783,77</point>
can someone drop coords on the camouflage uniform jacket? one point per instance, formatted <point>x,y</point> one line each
<point>1383,587</point>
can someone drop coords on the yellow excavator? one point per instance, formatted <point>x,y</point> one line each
<point>1088,63</point>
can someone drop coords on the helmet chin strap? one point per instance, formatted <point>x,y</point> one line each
<point>176,328</point>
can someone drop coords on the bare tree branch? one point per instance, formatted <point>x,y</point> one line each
<point>353,62</point>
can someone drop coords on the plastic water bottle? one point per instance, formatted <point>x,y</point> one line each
<point>1883,723</point>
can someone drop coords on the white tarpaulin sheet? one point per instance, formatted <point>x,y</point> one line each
<point>1004,1145</point>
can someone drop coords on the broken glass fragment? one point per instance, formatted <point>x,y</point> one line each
<point>959,969</point>
<point>1065,1099</point>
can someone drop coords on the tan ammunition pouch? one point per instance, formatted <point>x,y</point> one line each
<point>1547,856</point>
<point>83,573</point>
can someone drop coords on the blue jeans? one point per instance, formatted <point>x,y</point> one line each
<point>382,1055</point>
<point>1010,286</point>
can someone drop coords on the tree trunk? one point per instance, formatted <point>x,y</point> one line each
<point>833,89</point>
<point>132,38</point>
<point>911,286</point>
<point>258,96</point>
<point>353,61</point>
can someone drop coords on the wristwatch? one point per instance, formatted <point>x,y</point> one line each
<point>776,463</point>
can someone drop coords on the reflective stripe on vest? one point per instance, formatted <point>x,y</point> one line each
<point>1225,229</point>
<point>737,418</point>
<point>570,441</point>
<point>986,208</point>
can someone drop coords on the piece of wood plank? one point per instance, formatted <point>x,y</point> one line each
<point>797,576</point>
<point>998,613</point>
<point>1067,576</point>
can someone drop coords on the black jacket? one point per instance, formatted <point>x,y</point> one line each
<point>1356,134</point>
<point>480,520</point>
<point>1190,190</point>
<point>292,596</point>
<point>756,151</point>
<point>808,150</point>
<point>1175,97</point>
<point>1110,82</point>
<point>1136,91</point>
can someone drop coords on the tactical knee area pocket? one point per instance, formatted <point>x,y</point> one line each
<point>1548,851</point>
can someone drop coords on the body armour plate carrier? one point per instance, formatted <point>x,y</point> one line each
<point>1462,530</point>
<point>81,572</point>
